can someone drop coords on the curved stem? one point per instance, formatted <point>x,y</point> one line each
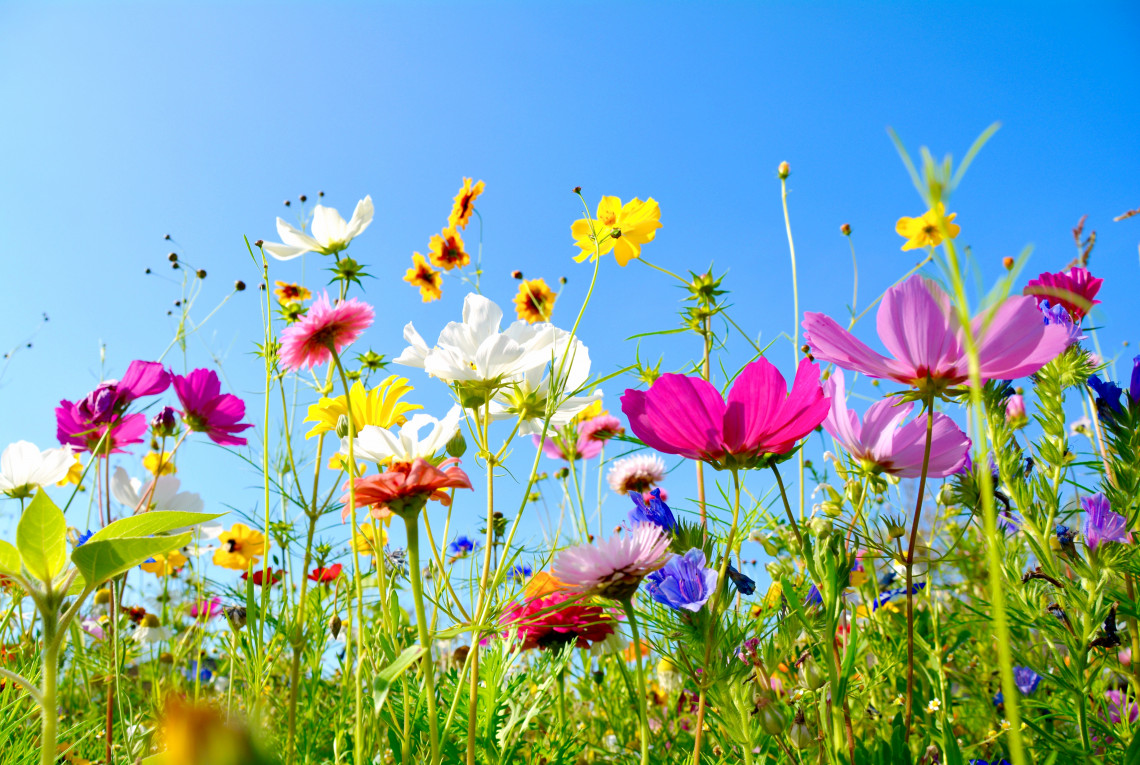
<point>643,714</point>
<point>928,405</point>
<point>412,525</point>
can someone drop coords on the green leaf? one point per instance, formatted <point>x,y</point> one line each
<point>148,524</point>
<point>103,559</point>
<point>384,679</point>
<point>42,538</point>
<point>9,559</point>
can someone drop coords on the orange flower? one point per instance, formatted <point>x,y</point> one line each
<point>543,584</point>
<point>288,292</point>
<point>422,275</point>
<point>447,250</point>
<point>629,652</point>
<point>464,204</point>
<point>534,301</point>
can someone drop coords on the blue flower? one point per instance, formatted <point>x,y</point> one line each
<point>1060,316</point>
<point>889,595</point>
<point>744,585</point>
<point>999,699</point>
<point>655,511</point>
<point>1107,397</point>
<point>1134,383</point>
<point>204,673</point>
<point>684,583</point>
<point>1065,536</point>
<point>462,547</point>
<point>1026,680</point>
<point>82,539</point>
<point>813,597</point>
<point>887,579</point>
<point>520,572</point>
<point>1101,524</point>
<point>1002,761</point>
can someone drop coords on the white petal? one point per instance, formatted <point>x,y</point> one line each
<point>17,464</point>
<point>284,251</point>
<point>482,316</point>
<point>329,229</point>
<point>124,489</point>
<point>417,350</point>
<point>361,217</point>
<point>294,237</point>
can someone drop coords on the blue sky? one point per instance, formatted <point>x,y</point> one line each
<point>128,122</point>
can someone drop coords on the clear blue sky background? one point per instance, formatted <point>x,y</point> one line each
<point>127,122</point>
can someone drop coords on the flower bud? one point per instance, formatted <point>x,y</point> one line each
<point>1015,412</point>
<point>799,735</point>
<point>172,257</point>
<point>784,170</point>
<point>342,426</point>
<point>845,229</point>
<point>335,625</point>
<point>1007,261</point>
<point>456,445</point>
<point>895,528</point>
<point>770,718</point>
<point>201,273</point>
<point>236,616</point>
<point>239,286</point>
<point>821,527</point>
<point>165,423</point>
<point>813,674</point>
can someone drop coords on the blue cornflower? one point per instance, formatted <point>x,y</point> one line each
<point>1002,761</point>
<point>204,673</point>
<point>79,542</point>
<point>462,547</point>
<point>1026,680</point>
<point>520,572</point>
<point>684,583</point>
<point>999,699</point>
<point>744,585</point>
<point>654,511</point>
<point>1066,537</point>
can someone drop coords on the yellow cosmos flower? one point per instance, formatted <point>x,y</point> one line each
<point>534,301</point>
<point>447,250</point>
<point>380,406</point>
<point>923,231</point>
<point>153,459</point>
<point>422,275</point>
<point>240,546</point>
<point>464,204</point>
<point>74,473</point>
<point>364,543</point>
<point>619,228</point>
<point>287,293</point>
<point>164,565</point>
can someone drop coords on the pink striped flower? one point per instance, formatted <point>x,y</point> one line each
<point>687,416</point>
<point>885,445</point>
<point>919,328</point>
<point>1074,289</point>
<point>614,567</point>
<point>324,328</point>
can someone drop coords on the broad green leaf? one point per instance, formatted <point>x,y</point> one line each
<point>42,538</point>
<point>9,559</point>
<point>148,524</point>
<point>103,559</point>
<point>384,679</point>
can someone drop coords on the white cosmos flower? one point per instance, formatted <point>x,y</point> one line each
<point>329,233</point>
<point>24,468</point>
<point>405,443</point>
<point>131,491</point>
<point>528,398</point>
<point>475,350</point>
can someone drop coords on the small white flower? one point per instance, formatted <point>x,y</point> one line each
<point>151,631</point>
<point>1080,427</point>
<point>405,443</point>
<point>1005,725</point>
<point>24,468</point>
<point>165,496</point>
<point>329,233</point>
<point>934,705</point>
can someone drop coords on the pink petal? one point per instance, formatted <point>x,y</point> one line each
<point>1015,341</point>
<point>755,398</point>
<point>678,415</point>
<point>948,448</point>
<point>915,325</point>
<point>830,342</point>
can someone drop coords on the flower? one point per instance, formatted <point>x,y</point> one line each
<point>74,429</point>
<point>924,231</point>
<point>1015,411</point>
<point>617,227</point>
<point>1026,680</point>
<point>614,567</point>
<point>743,583</point>
<point>447,250</point>
<point>1101,524</point>
<point>365,542</point>
<point>160,493</point>
<point>1118,703</point>
<point>259,576</point>
<point>462,547</point>
<point>329,232</point>
<point>150,630</point>
<point>289,293</point>
<point>639,473</point>
<point>381,446</point>
<point>883,444</point>
<point>534,301</point>
<point>207,410</point>
<point>164,565</point>
<point>654,510</point>
<point>933,705</point>
<point>406,487</point>
<point>198,670</point>
<point>687,416</point>
<point>74,471</point>
<point>160,463</point>
<point>543,583</point>
<point>82,539</point>
<point>464,204</point>
<point>381,407</point>
<point>239,547</point>
<point>917,324</point>
<point>206,609</point>
<point>683,583</point>
<point>24,468</point>
<point>555,620</point>
<point>422,275</point>
<point>1059,316</point>
<point>323,575</point>
<point>547,388</point>
<point>324,329</point>
<point>520,572</point>
<point>1074,289</point>
<point>885,598</point>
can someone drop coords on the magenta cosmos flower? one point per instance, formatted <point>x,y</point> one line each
<point>207,410</point>
<point>82,423</point>
<point>687,416</point>
<point>614,567</point>
<point>885,445</point>
<point>325,327</point>
<point>920,329</point>
<point>1074,289</point>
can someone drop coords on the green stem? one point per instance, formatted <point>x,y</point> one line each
<point>412,524</point>
<point>928,406</point>
<point>48,692</point>
<point>643,713</point>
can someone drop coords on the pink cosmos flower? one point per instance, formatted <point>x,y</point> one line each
<point>206,609</point>
<point>885,445</point>
<point>639,473</point>
<point>73,428</point>
<point>407,487</point>
<point>601,428</point>
<point>207,410</point>
<point>918,326</point>
<point>687,416</point>
<point>614,567</point>
<point>83,423</point>
<point>324,326</point>
<point>1074,289</point>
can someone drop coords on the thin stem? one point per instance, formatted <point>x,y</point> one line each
<point>788,507</point>
<point>473,687</point>
<point>412,525</point>
<point>643,714</point>
<point>928,405</point>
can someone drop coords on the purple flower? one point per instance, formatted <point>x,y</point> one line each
<point>1026,680</point>
<point>1101,524</point>
<point>82,538</point>
<point>1059,316</point>
<point>1118,704</point>
<point>462,547</point>
<point>1134,383</point>
<point>76,427</point>
<point>814,598</point>
<point>84,423</point>
<point>164,424</point>
<point>654,511</point>
<point>206,409</point>
<point>744,584</point>
<point>683,583</point>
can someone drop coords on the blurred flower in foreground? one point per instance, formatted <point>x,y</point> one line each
<point>159,493</point>
<point>200,735</point>
<point>164,565</point>
<point>365,542</point>
<point>24,468</point>
<point>324,328</point>
<point>329,232</point>
<point>464,204</point>
<point>554,620</point>
<point>619,228</point>
<point>923,231</point>
<point>160,463</point>
<point>534,301</point>
<point>422,275</point>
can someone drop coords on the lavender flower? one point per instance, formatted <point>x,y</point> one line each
<point>1101,524</point>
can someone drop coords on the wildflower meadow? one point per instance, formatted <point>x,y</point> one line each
<point>896,529</point>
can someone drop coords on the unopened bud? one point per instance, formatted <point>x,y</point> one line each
<point>1015,412</point>
<point>239,286</point>
<point>102,597</point>
<point>577,189</point>
<point>259,242</point>
<point>172,257</point>
<point>845,229</point>
<point>784,170</point>
<point>516,274</point>
<point>1007,261</point>
<point>164,424</point>
<point>456,445</point>
<point>342,426</point>
<point>287,203</point>
<point>201,273</point>
<point>303,198</point>
<point>335,625</point>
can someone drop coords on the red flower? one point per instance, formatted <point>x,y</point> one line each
<point>555,620</point>
<point>325,575</point>
<point>258,578</point>
<point>408,486</point>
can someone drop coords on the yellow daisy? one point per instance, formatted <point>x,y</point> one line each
<point>364,543</point>
<point>287,292</point>
<point>380,406</point>
<point>619,228</point>
<point>923,231</point>
<point>74,473</point>
<point>464,204</point>
<point>534,301</point>
<point>153,459</point>
<point>164,565</point>
<point>447,250</point>
<point>240,546</point>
